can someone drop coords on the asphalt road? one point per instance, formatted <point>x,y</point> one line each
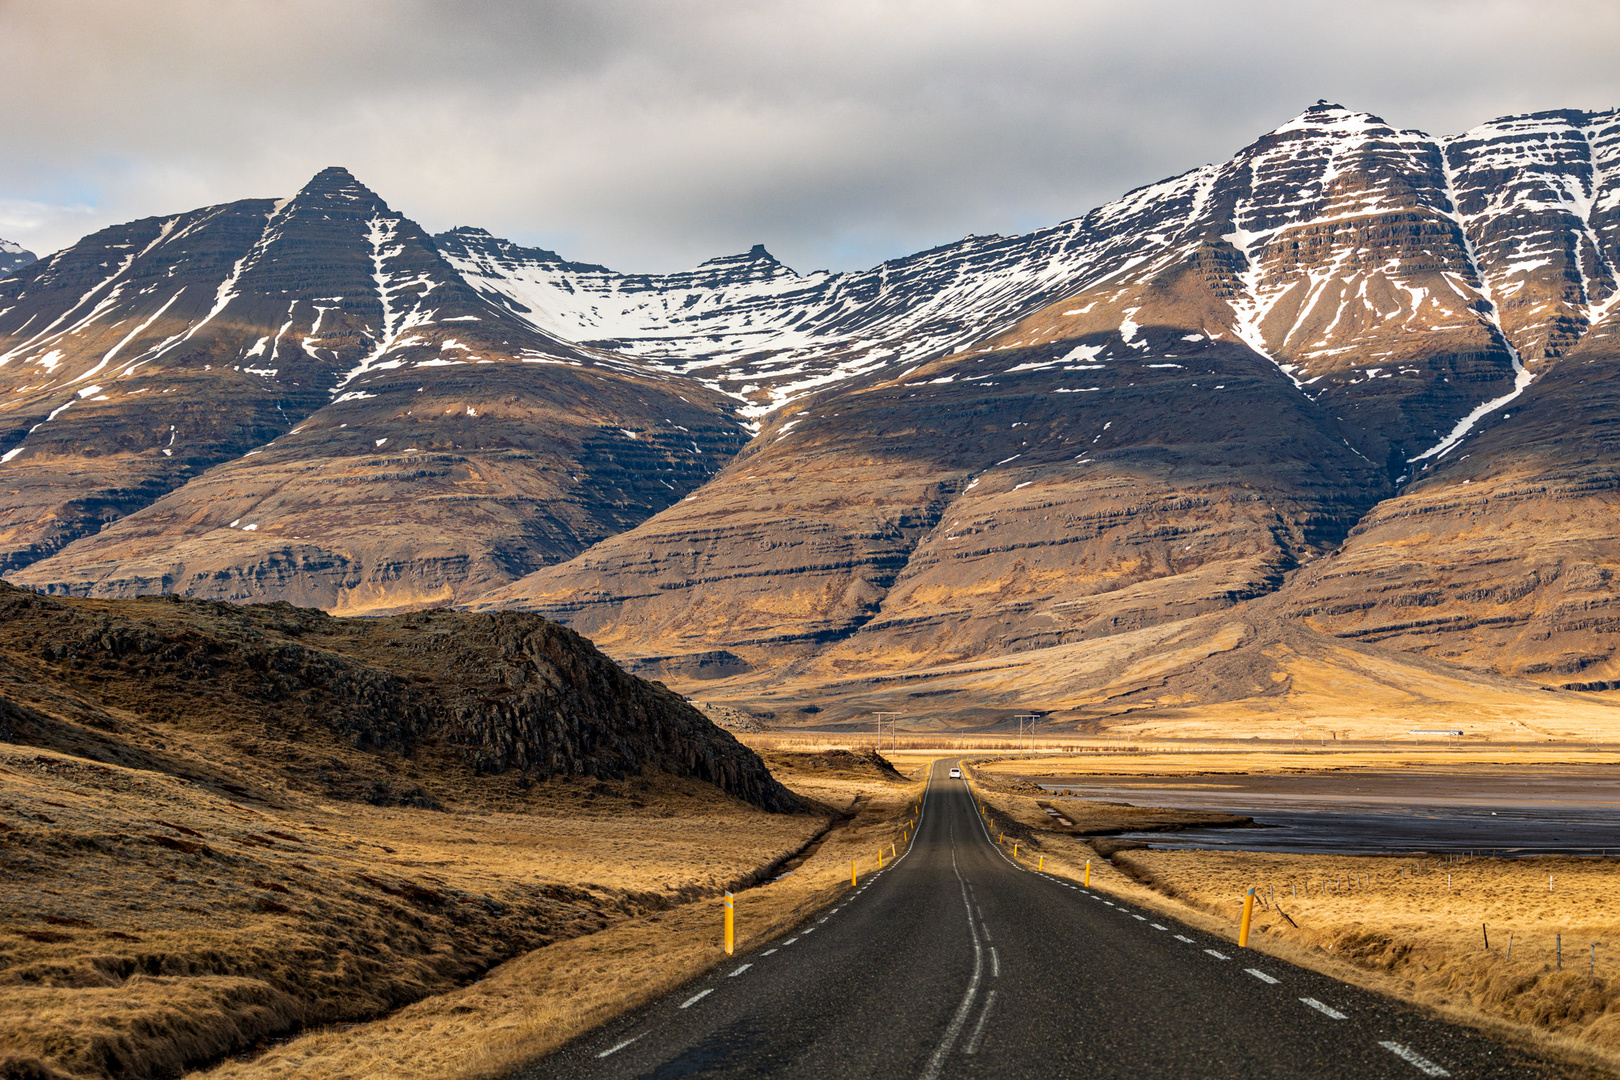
<point>954,961</point>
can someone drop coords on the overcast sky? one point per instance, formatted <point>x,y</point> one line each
<point>653,135</point>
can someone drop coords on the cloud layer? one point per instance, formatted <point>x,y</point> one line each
<point>652,135</point>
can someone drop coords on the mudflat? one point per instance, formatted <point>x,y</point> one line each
<point>1547,809</point>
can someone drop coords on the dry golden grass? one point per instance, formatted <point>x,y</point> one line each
<point>530,1006</point>
<point>149,923</point>
<point>1389,923</point>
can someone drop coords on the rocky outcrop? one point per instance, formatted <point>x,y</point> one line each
<point>494,694</point>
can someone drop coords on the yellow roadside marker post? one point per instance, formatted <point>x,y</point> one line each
<point>852,872</point>
<point>880,858</point>
<point>731,924</point>
<point>891,851</point>
<point>1015,849</point>
<point>1248,913</point>
<point>1042,864</point>
<point>1088,874</point>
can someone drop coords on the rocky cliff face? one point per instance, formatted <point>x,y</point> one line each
<point>503,694</point>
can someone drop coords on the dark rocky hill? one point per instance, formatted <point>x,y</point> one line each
<point>425,709</point>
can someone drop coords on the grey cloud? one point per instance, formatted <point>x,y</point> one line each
<point>652,135</point>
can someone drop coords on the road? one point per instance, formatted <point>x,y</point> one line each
<point>956,962</point>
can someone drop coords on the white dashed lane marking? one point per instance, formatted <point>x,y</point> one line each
<point>1156,926</point>
<point>1188,940</point>
<point>767,952</point>
<point>1326,1010</point>
<point>1217,955</point>
<point>616,1047</point>
<point>789,941</point>
<point>995,964</point>
<point>695,998</point>
<point>739,971</point>
<point>1262,976</point>
<point>1414,1059</point>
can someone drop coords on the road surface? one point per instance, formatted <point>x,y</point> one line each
<point>955,962</point>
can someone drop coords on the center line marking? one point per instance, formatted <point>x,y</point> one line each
<point>697,997</point>
<point>614,1049</point>
<point>1414,1059</point>
<point>739,971</point>
<point>1188,940</point>
<point>1326,1010</point>
<point>767,952</point>
<point>789,941</point>
<point>978,1029</point>
<point>1262,976</point>
<point>995,964</point>
<point>1217,955</point>
<point>1138,918</point>
<point>1156,926</point>
<point>937,1062</point>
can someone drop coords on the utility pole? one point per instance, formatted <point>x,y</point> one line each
<point>878,717</point>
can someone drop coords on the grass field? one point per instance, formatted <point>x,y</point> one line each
<point>149,923</point>
<point>531,1005</point>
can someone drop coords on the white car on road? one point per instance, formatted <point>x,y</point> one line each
<point>956,774</point>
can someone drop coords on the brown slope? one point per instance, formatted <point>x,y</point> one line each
<point>221,824</point>
<point>423,491</point>
<point>1243,672</point>
<point>1502,557</point>
<point>1044,488</point>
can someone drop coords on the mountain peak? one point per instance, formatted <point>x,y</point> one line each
<point>13,257</point>
<point>755,257</point>
<point>337,182</point>
<point>1327,115</point>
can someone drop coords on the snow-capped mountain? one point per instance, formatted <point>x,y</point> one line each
<point>13,257</point>
<point>1166,406</point>
<point>1240,364</point>
<point>253,394</point>
<point>1333,240</point>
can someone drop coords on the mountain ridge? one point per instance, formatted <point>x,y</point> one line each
<point>1216,388</point>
